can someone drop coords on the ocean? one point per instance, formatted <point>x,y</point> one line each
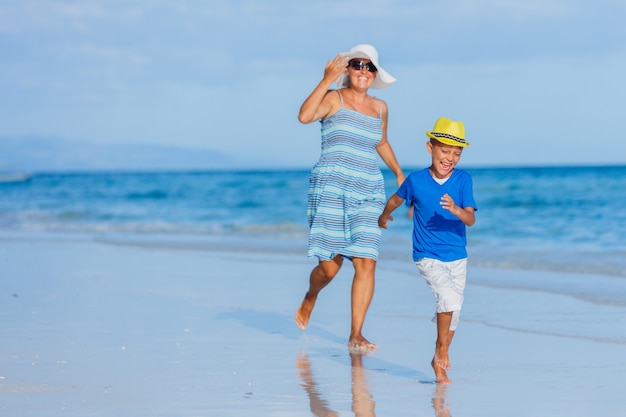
<point>568,219</point>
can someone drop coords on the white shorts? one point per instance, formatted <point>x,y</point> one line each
<point>447,282</point>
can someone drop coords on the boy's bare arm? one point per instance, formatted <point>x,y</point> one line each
<point>393,203</point>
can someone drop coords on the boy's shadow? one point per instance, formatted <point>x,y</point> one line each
<point>375,364</point>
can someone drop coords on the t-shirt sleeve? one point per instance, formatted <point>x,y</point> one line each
<point>405,190</point>
<point>468,193</point>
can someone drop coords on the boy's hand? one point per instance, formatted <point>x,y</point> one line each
<point>466,215</point>
<point>448,203</point>
<point>382,220</point>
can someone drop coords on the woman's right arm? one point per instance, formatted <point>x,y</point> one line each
<point>318,105</point>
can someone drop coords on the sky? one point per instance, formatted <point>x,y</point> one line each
<point>191,84</point>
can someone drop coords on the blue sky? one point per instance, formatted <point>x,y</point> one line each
<point>200,84</point>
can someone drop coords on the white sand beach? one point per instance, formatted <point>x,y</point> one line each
<point>97,329</point>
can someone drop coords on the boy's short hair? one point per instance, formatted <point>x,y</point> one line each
<point>435,142</point>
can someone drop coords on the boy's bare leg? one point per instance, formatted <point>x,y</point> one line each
<point>362,293</point>
<point>441,360</point>
<point>320,276</point>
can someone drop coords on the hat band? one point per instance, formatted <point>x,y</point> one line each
<point>445,135</point>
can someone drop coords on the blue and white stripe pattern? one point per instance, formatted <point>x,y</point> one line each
<point>346,188</point>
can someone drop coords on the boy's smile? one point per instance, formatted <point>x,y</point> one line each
<point>444,158</point>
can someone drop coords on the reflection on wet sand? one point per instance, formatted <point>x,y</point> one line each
<point>363,404</point>
<point>439,401</point>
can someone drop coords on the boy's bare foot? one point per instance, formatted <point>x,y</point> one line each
<point>443,364</point>
<point>442,359</point>
<point>360,344</point>
<point>440,373</point>
<point>303,315</point>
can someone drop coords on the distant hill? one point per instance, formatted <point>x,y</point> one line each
<point>48,154</point>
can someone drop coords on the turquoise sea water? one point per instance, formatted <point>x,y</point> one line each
<point>548,218</point>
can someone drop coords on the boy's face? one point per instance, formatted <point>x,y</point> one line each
<point>444,158</point>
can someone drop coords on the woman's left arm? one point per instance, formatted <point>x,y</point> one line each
<point>385,150</point>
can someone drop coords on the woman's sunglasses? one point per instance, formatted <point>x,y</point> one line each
<point>358,65</point>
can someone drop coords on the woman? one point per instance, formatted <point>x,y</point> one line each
<point>346,187</point>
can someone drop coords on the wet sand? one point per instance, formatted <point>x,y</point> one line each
<point>90,328</point>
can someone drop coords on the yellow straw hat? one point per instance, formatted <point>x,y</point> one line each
<point>449,132</point>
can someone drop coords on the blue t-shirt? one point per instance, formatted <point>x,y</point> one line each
<point>437,233</point>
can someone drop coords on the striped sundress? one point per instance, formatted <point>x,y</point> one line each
<point>346,188</point>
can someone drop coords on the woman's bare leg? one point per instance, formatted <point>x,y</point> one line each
<point>362,293</point>
<point>320,277</point>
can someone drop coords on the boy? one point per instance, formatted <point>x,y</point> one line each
<point>444,205</point>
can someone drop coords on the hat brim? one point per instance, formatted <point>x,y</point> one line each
<point>383,78</point>
<point>447,141</point>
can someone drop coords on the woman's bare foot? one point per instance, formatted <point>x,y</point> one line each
<point>360,344</point>
<point>303,315</point>
<point>440,373</point>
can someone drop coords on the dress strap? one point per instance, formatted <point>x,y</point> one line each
<point>381,110</point>
<point>341,98</point>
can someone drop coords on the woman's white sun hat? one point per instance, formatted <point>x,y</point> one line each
<point>383,78</point>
